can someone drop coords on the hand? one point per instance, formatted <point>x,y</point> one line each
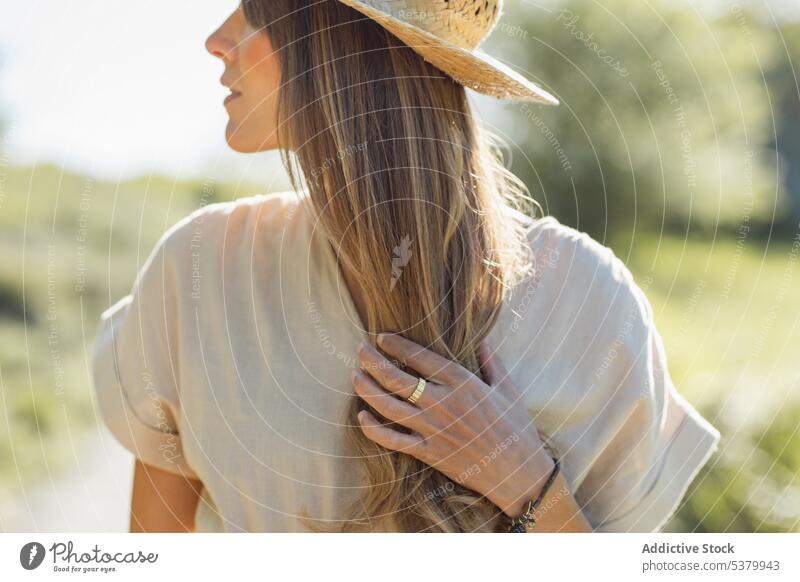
<point>478,434</point>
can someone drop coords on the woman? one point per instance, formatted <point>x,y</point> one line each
<point>519,384</point>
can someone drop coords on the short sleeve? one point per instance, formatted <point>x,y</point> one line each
<point>654,442</point>
<point>134,364</point>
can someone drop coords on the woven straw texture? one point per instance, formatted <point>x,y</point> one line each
<point>447,34</point>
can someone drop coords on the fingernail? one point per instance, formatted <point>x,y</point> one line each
<point>381,338</point>
<point>361,416</point>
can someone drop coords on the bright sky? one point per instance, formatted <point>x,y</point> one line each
<point>121,87</point>
<point>115,88</point>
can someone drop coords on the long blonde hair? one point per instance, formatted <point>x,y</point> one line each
<point>393,157</point>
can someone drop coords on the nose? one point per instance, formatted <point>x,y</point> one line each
<point>220,44</point>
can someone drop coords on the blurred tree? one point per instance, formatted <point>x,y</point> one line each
<point>664,116</point>
<point>786,86</point>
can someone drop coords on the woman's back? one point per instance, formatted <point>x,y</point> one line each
<point>234,352</point>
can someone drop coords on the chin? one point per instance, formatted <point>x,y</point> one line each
<point>241,148</point>
<point>239,142</point>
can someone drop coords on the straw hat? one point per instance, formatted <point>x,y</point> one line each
<point>446,33</point>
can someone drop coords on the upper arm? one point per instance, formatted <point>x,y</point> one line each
<point>136,375</point>
<point>654,442</point>
<point>162,501</point>
<point>601,388</point>
<point>136,364</point>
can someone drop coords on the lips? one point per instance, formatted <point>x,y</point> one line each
<point>231,97</point>
<point>234,93</point>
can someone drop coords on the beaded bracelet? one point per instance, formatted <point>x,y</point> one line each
<point>528,520</point>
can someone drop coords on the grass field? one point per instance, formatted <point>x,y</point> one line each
<point>728,312</point>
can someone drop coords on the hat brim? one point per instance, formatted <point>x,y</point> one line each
<point>474,69</point>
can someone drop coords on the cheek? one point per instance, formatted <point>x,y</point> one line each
<point>259,65</point>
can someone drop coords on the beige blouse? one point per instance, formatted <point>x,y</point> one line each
<point>230,362</point>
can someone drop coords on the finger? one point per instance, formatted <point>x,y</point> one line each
<point>389,438</point>
<point>386,403</point>
<point>390,376</point>
<point>491,364</point>
<point>427,362</point>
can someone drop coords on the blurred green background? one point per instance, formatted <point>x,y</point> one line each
<point>677,144</point>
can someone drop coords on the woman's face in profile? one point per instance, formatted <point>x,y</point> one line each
<point>252,72</point>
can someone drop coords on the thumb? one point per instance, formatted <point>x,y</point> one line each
<point>493,369</point>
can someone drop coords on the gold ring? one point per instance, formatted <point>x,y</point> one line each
<point>418,392</point>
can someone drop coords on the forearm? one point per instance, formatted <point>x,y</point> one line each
<point>162,501</point>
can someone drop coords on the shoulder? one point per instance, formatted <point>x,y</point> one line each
<point>237,217</point>
<point>227,226</point>
<point>574,266</point>
<point>213,238</point>
<point>580,305</point>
